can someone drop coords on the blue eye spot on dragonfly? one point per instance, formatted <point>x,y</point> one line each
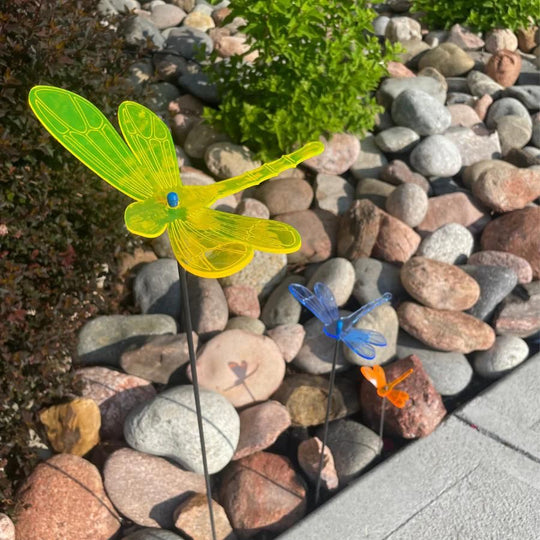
<point>322,304</point>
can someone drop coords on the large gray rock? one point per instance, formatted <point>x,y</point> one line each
<point>374,278</point>
<point>103,339</point>
<point>391,88</point>
<point>436,155</point>
<point>186,41</point>
<point>506,353</point>
<point>167,426</point>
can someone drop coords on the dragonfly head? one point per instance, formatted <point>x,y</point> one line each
<point>172,199</point>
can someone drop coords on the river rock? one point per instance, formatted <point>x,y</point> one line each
<point>445,330</point>
<point>309,454</point>
<point>459,208</point>
<point>167,426</point>
<point>464,39</point>
<point>496,282</point>
<point>448,59</point>
<point>402,29</point>
<point>358,230</point>
<point>64,498</point>
<point>353,447</point>
<point>186,41</point>
<point>519,265</point>
<point>318,229</point>
<point>281,307</point>
<point>504,190</point>
<point>451,243</point>
<point>463,115</point>
<point>242,301</point>
<point>391,88</point>
<point>374,190</point>
<point>503,107</point>
<point>472,172</point>
<point>72,428</point>
<point>450,372</point>
<point>192,517</point>
<point>408,203</point>
<point>242,366</point>
<point>503,67</point>
<point>306,399</point>
<point>519,317</point>
<point>249,324</point>
<point>225,160</point>
<point>166,16</point>
<point>260,426</point>
<point>289,339</point>
<point>420,112</point>
<point>436,155</point>
<point>516,232</point>
<point>513,131</point>
<point>439,285</point>
<point>116,394</point>
<point>338,275</point>
<point>474,143</point>
<point>284,195</point>
<point>146,489</point>
<point>369,161</point>
<point>103,339</point>
<point>397,172</point>
<point>384,320</point>
<point>332,193</point>
<point>252,208</point>
<point>340,152</point>
<point>373,278</point>
<point>397,139</point>
<point>506,353</point>
<point>421,414</point>
<point>499,39</point>
<point>529,95</point>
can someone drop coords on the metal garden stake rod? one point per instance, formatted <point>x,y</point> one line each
<point>191,349</point>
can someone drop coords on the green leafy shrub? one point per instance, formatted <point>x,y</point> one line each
<point>59,223</point>
<point>318,63</point>
<point>481,15</point>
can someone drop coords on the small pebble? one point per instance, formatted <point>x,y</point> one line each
<point>409,203</point>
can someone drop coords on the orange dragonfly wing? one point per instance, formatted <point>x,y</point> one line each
<point>398,398</point>
<point>375,375</point>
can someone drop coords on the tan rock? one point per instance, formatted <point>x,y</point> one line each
<point>73,427</point>
<point>504,67</point>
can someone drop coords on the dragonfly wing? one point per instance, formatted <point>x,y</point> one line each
<point>398,398</point>
<point>358,340</point>
<point>310,301</point>
<point>83,129</point>
<point>147,218</point>
<point>266,171</point>
<point>206,252</point>
<point>364,310</point>
<point>324,294</point>
<point>150,140</point>
<point>375,375</point>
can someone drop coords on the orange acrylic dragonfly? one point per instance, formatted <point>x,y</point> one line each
<point>377,377</point>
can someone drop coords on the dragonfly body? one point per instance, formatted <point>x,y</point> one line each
<point>143,166</point>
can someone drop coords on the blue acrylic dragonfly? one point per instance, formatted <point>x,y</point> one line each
<point>322,304</point>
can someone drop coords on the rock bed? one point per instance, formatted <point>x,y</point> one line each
<point>438,206</point>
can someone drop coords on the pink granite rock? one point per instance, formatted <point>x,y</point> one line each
<point>243,301</point>
<point>398,70</point>
<point>519,317</point>
<point>64,498</point>
<point>519,265</point>
<point>309,455</point>
<point>260,426</point>
<point>284,195</point>
<point>289,339</point>
<point>116,394</point>
<point>445,330</point>
<point>463,115</point>
<point>421,414</point>
<point>147,489</point>
<point>482,105</point>
<point>340,152</point>
<point>262,492</point>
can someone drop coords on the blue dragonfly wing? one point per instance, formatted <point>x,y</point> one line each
<point>326,297</point>
<point>364,310</point>
<point>362,341</point>
<point>311,302</point>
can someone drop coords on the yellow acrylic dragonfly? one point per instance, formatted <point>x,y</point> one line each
<point>206,242</point>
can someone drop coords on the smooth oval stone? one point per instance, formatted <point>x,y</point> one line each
<point>249,324</point>
<point>382,319</point>
<point>64,498</point>
<point>116,394</point>
<point>439,285</point>
<point>514,132</point>
<point>473,172</point>
<point>519,265</point>
<point>166,16</point>
<point>504,107</point>
<point>353,446</point>
<point>451,243</point>
<point>243,367</point>
<point>391,88</point>
<point>103,339</point>
<point>370,159</point>
<point>481,84</point>
<point>284,195</point>
<point>260,426</point>
<point>225,160</point>
<point>374,190</point>
<point>262,492</point>
<point>495,283</point>
<point>242,300</point>
<point>436,155</point>
<point>146,489</point>
<point>506,353</point>
<point>315,355</point>
<point>338,275</point>
<point>340,152</point>
<point>409,203</point>
<point>421,414</point>
<point>397,139</point>
<point>445,330</point>
<point>200,137</point>
<point>420,112</point>
<point>306,399</point>
<point>186,41</point>
<point>518,317</point>
<point>448,59</point>
<point>289,338</point>
<point>374,278</point>
<point>167,426</point>
<point>332,193</point>
<point>281,307</point>
<point>529,95</point>
<point>450,372</point>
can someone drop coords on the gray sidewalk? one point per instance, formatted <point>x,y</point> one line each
<point>476,477</point>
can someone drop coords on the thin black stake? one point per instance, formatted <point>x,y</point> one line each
<point>381,424</point>
<point>325,431</point>
<point>191,349</point>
